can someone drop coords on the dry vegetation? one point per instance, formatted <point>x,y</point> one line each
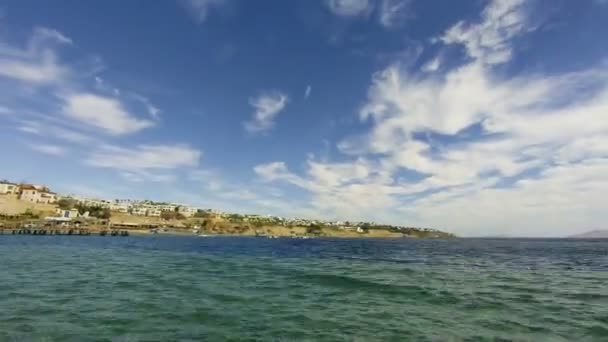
<point>11,205</point>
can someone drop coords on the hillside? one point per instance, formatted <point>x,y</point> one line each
<point>593,234</point>
<point>11,205</point>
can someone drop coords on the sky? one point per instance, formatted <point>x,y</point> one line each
<point>480,117</point>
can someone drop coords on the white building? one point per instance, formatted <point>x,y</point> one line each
<point>93,202</point>
<point>120,207</point>
<point>67,214</point>
<point>187,211</point>
<point>7,188</point>
<point>154,211</point>
<point>29,194</point>
<point>140,211</point>
<point>47,197</point>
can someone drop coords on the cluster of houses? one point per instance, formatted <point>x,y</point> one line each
<point>28,192</point>
<point>136,207</point>
<point>41,194</point>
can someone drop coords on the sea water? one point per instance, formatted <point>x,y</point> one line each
<point>163,288</point>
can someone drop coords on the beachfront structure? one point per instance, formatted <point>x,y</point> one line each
<point>7,188</point>
<point>67,214</point>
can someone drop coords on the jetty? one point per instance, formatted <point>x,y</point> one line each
<point>73,232</point>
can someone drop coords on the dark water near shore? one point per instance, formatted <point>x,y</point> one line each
<point>63,288</point>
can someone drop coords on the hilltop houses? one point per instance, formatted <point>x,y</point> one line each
<point>138,208</point>
<point>36,194</point>
<point>28,192</point>
<point>186,211</point>
<point>8,188</point>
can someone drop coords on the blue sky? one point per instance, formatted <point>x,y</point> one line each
<point>476,117</point>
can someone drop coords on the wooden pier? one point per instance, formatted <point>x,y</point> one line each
<point>75,232</point>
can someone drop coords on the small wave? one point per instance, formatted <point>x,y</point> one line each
<point>352,283</point>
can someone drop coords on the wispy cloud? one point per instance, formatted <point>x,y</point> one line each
<point>5,111</point>
<point>53,131</point>
<point>53,150</point>
<point>432,65</point>
<point>393,13</point>
<point>349,8</point>
<point>200,9</point>
<point>267,106</point>
<point>488,40</point>
<point>307,92</point>
<point>43,33</point>
<point>30,127</point>
<point>145,157</point>
<point>146,163</point>
<point>152,110</point>
<point>389,13</point>
<point>45,90</point>
<point>35,76</point>
<point>102,112</point>
<point>37,62</point>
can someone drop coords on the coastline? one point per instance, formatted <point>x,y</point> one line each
<point>15,214</point>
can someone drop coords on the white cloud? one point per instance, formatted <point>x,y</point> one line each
<point>145,176</point>
<point>145,157</point>
<point>267,106</point>
<point>349,8</point>
<point>43,33</point>
<point>69,135</point>
<point>106,113</point>
<point>535,164</point>
<point>50,83</point>
<point>199,9</point>
<point>210,178</point>
<point>30,127</point>
<point>53,150</point>
<point>307,92</point>
<point>37,63</point>
<point>561,201</point>
<point>488,41</point>
<point>153,110</point>
<point>44,70</point>
<point>393,13</point>
<point>53,131</point>
<point>432,65</point>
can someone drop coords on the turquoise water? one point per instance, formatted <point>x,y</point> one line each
<point>68,288</point>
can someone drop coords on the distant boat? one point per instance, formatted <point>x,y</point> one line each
<point>593,234</point>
